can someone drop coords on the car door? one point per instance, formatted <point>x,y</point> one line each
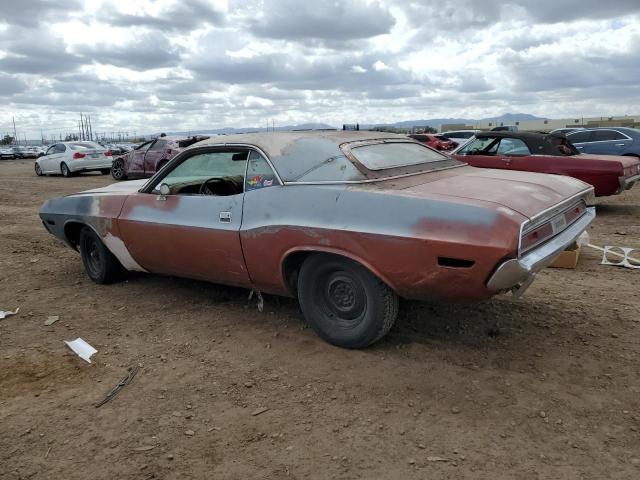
<point>153,155</point>
<point>608,142</point>
<point>514,154</point>
<point>53,157</point>
<point>189,232</point>
<point>482,152</point>
<point>136,159</point>
<point>580,139</point>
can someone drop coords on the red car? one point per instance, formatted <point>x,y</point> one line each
<point>550,153</point>
<point>149,157</point>
<point>437,142</point>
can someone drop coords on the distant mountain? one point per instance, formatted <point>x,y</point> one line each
<point>507,118</point>
<point>229,131</point>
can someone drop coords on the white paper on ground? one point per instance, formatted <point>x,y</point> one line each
<point>4,314</point>
<point>81,348</point>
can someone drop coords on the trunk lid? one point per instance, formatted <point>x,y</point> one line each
<point>625,161</point>
<point>523,192</point>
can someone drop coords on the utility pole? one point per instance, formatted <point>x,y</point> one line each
<point>15,135</point>
<point>90,130</point>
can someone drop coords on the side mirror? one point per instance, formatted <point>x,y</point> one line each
<point>164,189</point>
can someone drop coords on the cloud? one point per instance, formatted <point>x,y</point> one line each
<point>29,13</point>
<point>147,51</point>
<point>330,21</point>
<point>182,15</point>
<point>163,65</point>
<point>10,85</point>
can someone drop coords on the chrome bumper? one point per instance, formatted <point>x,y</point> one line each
<point>518,273</point>
<point>627,182</point>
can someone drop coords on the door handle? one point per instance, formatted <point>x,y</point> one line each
<point>225,217</point>
<point>620,144</point>
<point>507,160</point>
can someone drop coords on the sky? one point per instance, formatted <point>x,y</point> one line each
<point>167,65</point>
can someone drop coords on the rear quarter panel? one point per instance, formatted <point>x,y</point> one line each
<point>398,237</point>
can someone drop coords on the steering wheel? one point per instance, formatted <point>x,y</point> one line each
<point>204,188</point>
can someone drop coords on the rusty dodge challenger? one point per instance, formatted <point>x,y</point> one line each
<point>347,222</point>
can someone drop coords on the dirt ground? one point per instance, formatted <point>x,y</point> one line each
<point>544,387</point>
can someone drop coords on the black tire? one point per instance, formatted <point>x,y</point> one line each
<point>38,169</point>
<point>117,169</point>
<point>99,263</point>
<point>64,170</point>
<point>105,171</point>
<point>344,303</point>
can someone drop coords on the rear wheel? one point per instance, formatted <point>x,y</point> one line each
<point>99,263</point>
<point>38,170</point>
<point>65,170</point>
<point>117,169</point>
<point>344,303</point>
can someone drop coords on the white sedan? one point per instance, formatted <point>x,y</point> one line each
<point>68,158</point>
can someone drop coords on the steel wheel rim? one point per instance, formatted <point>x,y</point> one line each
<point>93,256</point>
<point>341,297</point>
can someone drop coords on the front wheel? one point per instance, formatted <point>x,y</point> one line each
<point>117,170</point>
<point>99,263</point>
<point>38,170</point>
<point>344,303</point>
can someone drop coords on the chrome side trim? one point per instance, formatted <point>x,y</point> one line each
<point>515,272</point>
<point>558,207</point>
<point>627,182</point>
<point>374,180</point>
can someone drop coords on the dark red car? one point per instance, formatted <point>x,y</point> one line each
<point>149,157</point>
<point>550,153</point>
<point>437,142</point>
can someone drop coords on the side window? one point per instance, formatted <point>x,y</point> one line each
<point>513,146</point>
<point>60,148</point>
<point>479,146</point>
<point>579,137</point>
<point>51,150</point>
<point>158,145</point>
<point>218,173</point>
<point>259,173</point>
<point>604,135</point>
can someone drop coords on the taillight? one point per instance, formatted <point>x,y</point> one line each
<point>535,237</point>
<point>108,153</point>
<point>78,155</point>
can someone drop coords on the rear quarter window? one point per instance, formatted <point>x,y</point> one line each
<point>386,155</point>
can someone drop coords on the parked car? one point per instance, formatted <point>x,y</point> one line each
<point>550,153</point>
<point>566,130</point>
<point>460,136</point>
<point>6,153</point>
<point>68,158</point>
<point>435,141</point>
<point>347,222</point>
<point>23,152</point>
<point>149,157</point>
<point>607,141</point>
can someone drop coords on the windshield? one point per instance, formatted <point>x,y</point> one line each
<point>381,156</point>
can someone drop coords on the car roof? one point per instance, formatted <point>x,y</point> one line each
<point>538,143</point>
<point>294,153</point>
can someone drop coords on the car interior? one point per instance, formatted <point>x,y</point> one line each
<point>218,173</point>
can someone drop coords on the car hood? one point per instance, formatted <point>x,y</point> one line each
<point>625,161</point>
<point>119,188</point>
<point>523,192</point>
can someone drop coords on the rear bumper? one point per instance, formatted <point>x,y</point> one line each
<point>519,272</point>
<point>627,182</point>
